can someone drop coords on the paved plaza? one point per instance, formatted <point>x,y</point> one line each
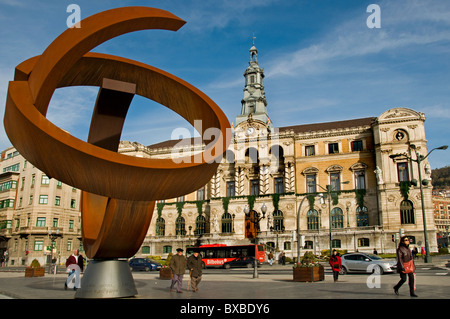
<point>433,282</point>
<point>235,293</point>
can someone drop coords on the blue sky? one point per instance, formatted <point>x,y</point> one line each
<point>322,62</point>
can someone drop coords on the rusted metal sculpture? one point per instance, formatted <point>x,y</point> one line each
<point>118,191</point>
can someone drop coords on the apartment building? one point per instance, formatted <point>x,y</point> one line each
<point>39,216</point>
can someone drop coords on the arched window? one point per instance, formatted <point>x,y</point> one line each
<point>312,219</point>
<point>251,156</point>
<point>337,218</point>
<point>180,226</point>
<point>200,223</point>
<point>276,153</point>
<point>160,226</point>
<point>278,220</point>
<point>362,217</point>
<point>229,156</point>
<point>407,212</point>
<point>227,223</point>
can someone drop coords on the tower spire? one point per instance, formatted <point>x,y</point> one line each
<point>254,104</point>
<point>253,51</point>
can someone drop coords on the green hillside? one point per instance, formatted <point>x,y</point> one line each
<point>441,177</point>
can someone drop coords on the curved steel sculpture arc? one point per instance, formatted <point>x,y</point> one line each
<point>118,191</point>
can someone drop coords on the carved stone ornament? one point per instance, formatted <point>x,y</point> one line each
<point>310,170</point>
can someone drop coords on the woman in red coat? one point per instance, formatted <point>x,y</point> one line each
<point>336,264</point>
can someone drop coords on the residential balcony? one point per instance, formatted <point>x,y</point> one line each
<point>5,232</point>
<point>36,230</point>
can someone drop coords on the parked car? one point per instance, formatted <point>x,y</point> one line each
<point>248,262</point>
<point>366,263</point>
<point>144,264</point>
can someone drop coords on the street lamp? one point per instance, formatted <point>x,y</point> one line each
<point>277,231</point>
<point>52,240</point>
<point>254,217</point>
<point>419,159</point>
<point>446,229</point>
<point>190,228</point>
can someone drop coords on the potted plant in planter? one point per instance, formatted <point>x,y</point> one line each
<point>35,269</point>
<point>165,272</point>
<point>309,269</point>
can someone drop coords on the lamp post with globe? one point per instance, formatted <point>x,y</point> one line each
<point>255,218</point>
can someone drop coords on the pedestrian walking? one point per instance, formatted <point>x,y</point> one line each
<point>282,258</point>
<point>415,252</point>
<point>80,262</point>
<point>195,265</point>
<point>405,267</point>
<point>336,264</point>
<point>74,271</point>
<point>270,257</point>
<point>178,266</point>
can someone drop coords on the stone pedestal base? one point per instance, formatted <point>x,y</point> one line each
<point>107,279</point>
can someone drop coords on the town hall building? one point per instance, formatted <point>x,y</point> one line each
<point>290,170</point>
<point>322,185</point>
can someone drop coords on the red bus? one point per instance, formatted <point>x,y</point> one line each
<point>216,255</point>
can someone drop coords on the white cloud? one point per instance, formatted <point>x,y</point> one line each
<point>226,84</point>
<point>71,109</point>
<point>212,15</point>
<point>436,111</point>
<point>352,38</point>
<point>14,3</point>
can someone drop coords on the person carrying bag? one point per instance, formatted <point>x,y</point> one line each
<point>405,267</point>
<point>336,264</point>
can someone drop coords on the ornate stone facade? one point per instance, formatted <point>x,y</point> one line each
<point>281,166</point>
<point>285,168</point>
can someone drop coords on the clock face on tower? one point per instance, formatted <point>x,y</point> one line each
<point>250,130</point>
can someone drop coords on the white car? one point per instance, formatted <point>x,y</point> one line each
<point>366,263</point>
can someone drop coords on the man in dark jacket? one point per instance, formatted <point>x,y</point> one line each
<point>178,267</point>
<point>195,265</point>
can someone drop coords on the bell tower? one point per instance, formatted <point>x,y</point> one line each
<point>254,103</point>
